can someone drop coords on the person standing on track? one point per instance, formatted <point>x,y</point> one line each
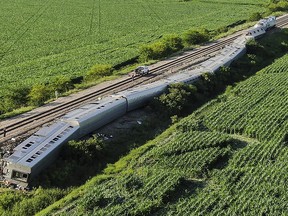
<point>4,132</point>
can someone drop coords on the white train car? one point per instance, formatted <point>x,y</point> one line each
<point>141,95</point>
<point>225,57</point>
<point>261,27</point>
<point>255,32</point>
<point>96,114</point>
<point>36,153</point>
<point>266,23</point>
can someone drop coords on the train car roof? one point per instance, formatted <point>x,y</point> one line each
<point>86,111</point>
<point>28,154</point>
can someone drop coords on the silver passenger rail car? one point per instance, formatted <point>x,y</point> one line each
<point>36,153</point>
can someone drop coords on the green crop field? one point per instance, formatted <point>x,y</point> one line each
<point>43,39</point>
<point>227,158</point>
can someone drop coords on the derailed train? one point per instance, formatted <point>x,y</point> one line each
<point>261,27</point>
<point>34,154</point>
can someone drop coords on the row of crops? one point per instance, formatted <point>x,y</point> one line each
<point>43,39</point>
<point>227,158</point>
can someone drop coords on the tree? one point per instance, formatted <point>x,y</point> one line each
<point>99,70</point>
<point>162,48</point>
<point>61,84</point>
<point>84,151</point>
<point>192,37</point>
<point>179,96</point>
<point>255,16</point>
<point>39,94</point>
<point>173,42</point>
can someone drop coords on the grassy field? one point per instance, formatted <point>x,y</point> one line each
<point>43,39</point>
<point>227,158</point>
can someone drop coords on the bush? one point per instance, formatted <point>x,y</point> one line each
<point>84,151</point>
<point>16,98</point>
<point>178,97</point>
<point>62,84</point>
<point>39,199</point>
<point>278,6</point>
<point>255,17</point>
<point>157,50</point>
<point>98,71</point>
<point>253,47</point>
<point>192,37</point>
<point>173,42</point>
<point>39,94</point>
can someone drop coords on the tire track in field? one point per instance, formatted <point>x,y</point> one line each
<point>22,26</point>
<point>155,13</point>
<point>147,11</point>
<point>92,17</point>
<point>34,18</point>
<point>99,17</point>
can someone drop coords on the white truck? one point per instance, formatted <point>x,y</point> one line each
<point>141,70</point>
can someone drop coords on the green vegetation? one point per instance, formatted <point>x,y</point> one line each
<point>234,167</point>
<point>227,158</point>
<point>50,39</point>
<point>98,71</point>
<point>19,203</point>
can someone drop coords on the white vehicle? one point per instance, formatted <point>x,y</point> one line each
<point>142,70</point>
<point>266,23</point>
<point>261,28</point>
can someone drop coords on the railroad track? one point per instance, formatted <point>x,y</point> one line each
<point>27,124</point>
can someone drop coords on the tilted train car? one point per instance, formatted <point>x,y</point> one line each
<point>96,114</point>
<point>261,27</point>
<point>35,153</point>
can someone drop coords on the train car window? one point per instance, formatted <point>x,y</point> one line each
<point>20,176</point>
<point>29,160</point>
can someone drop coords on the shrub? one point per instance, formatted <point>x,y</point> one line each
<point>255,17</point>
<point>156,50</point>
<point>39,94</point>
<point>84,151</point>
<point>99,70</point>
<point>173,42</point>
<point>62,84</point>
<point>16,98</point>
<point>278,6</point>
<point>192,37</point>
<point>178,97</point>
<point>162,48</point>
